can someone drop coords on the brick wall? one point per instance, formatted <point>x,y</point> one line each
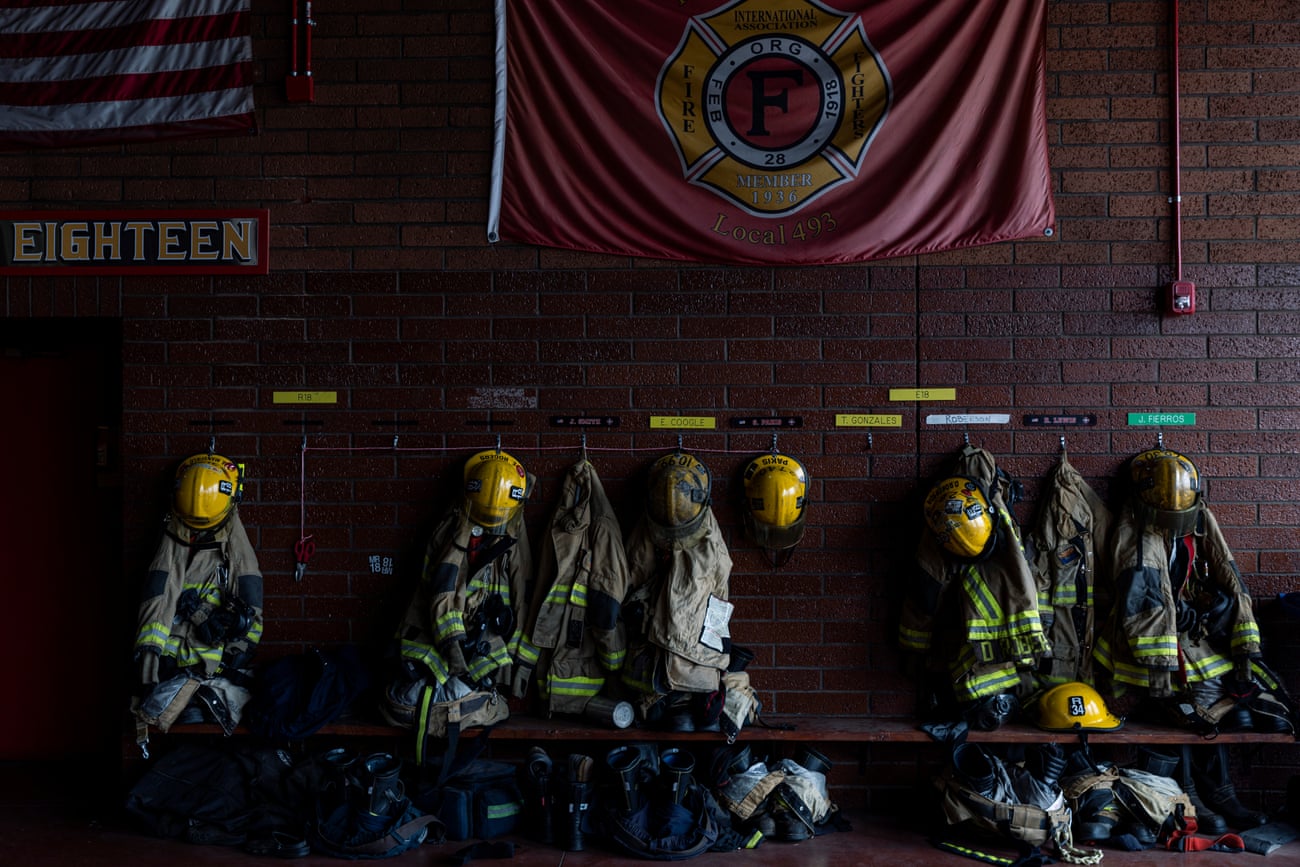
<point>383,289</point>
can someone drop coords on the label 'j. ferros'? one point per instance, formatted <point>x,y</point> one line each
<point>738,99</point>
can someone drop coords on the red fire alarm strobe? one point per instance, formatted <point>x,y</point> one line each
<point>1182,297</point>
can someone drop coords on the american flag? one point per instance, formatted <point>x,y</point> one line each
<point>88,72</point>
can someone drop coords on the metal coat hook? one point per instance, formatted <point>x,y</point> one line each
<point>583,454</point>
<point>395,440</point>
<point>1160,439</point>
<point>304,442</point>
<point>1062,444</point>
<point>774,448</point>
<point>870,441</point>
<point>965,437</point>
<point>498,443</point>
<point>679,443</point>
<point>212,446</point>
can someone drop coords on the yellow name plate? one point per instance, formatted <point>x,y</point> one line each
<point>923,394</point>
<point>680,422</point>
<point>868,420</point>
<point>312,397</point>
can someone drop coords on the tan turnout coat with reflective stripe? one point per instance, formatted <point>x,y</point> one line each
<point>573,635</point>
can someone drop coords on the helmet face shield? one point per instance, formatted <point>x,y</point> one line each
<point>1075,707</point>
<point>678,495</point>
<point>776,495</point>
<point>957,511</point>
<point>1168,489</point>
<point>206,489</point>
<point>496,486</point>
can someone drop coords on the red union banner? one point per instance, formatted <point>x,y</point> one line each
<point>770,131</point>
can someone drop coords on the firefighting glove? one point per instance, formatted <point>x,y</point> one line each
<point>148,668</point>
<point>236,655</point>
<point>454,656</point>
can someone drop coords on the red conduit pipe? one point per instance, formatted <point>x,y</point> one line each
<point>1177,198</point>
<point>293,45</point>
<point>311,22</point>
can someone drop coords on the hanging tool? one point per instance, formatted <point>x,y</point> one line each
<point>300,88</point>
<point>303,550</point>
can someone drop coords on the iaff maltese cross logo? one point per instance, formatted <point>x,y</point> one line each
<point>771,103</point>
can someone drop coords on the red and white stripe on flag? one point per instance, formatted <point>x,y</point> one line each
<point>770,131</point>
<point>87,72</point>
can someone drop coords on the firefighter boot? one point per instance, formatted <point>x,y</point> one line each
<point>577,796</point>
<point>1156,762</point>
<point>972,765</point>
<point>1207,820</point>
<point>1046,762</point>
<point>339,764</point>
<point>381,784</point>
<point>1096,815</point>
<point>677,768</point>
<point>1210,769</point>
<point>625,763</point>
<point>537,796</point>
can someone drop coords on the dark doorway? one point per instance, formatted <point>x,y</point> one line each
<point>64,606</point>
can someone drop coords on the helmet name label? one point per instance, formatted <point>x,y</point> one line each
<point>1185,419</point>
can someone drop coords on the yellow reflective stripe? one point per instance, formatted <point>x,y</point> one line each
<point>501,811</point>
<point>558,595</point>
<point>449,625</point>
<point>153,634</point>
<point>957,849</point>
<point>982,630</point>
<point>207,591</point>
<point>422,724</point>
<point>575,686</point>
<point>429,657</point>
<point>1264,676</point>
<point>526,652</point>
<point>613,661</point>
<point>484,665</point>
<point>1122,671</point>
<point>196,653</point>
<point>1065,594</point>
<point>1245,633</point>
<point>578,595</point>
<point>486,582</point>
<point>1025,621</point>
<point>913,639</point>
<point>981,598</point>
<point>1208,667</point>
<point>1145,647</point>
<point>1000,680</point>
<point>633,683</point>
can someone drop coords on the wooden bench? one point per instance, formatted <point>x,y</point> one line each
<point>808,729</point>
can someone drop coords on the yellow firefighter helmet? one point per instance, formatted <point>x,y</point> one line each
<point>776,495</point>
<point>496,486</point>
<point>1168,489</point>
<point>1075,707</point>
<point>206,490</point>
<point>958,512</point>
<point>678,495</point>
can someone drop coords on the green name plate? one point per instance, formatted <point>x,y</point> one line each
<point>1162,418</point>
